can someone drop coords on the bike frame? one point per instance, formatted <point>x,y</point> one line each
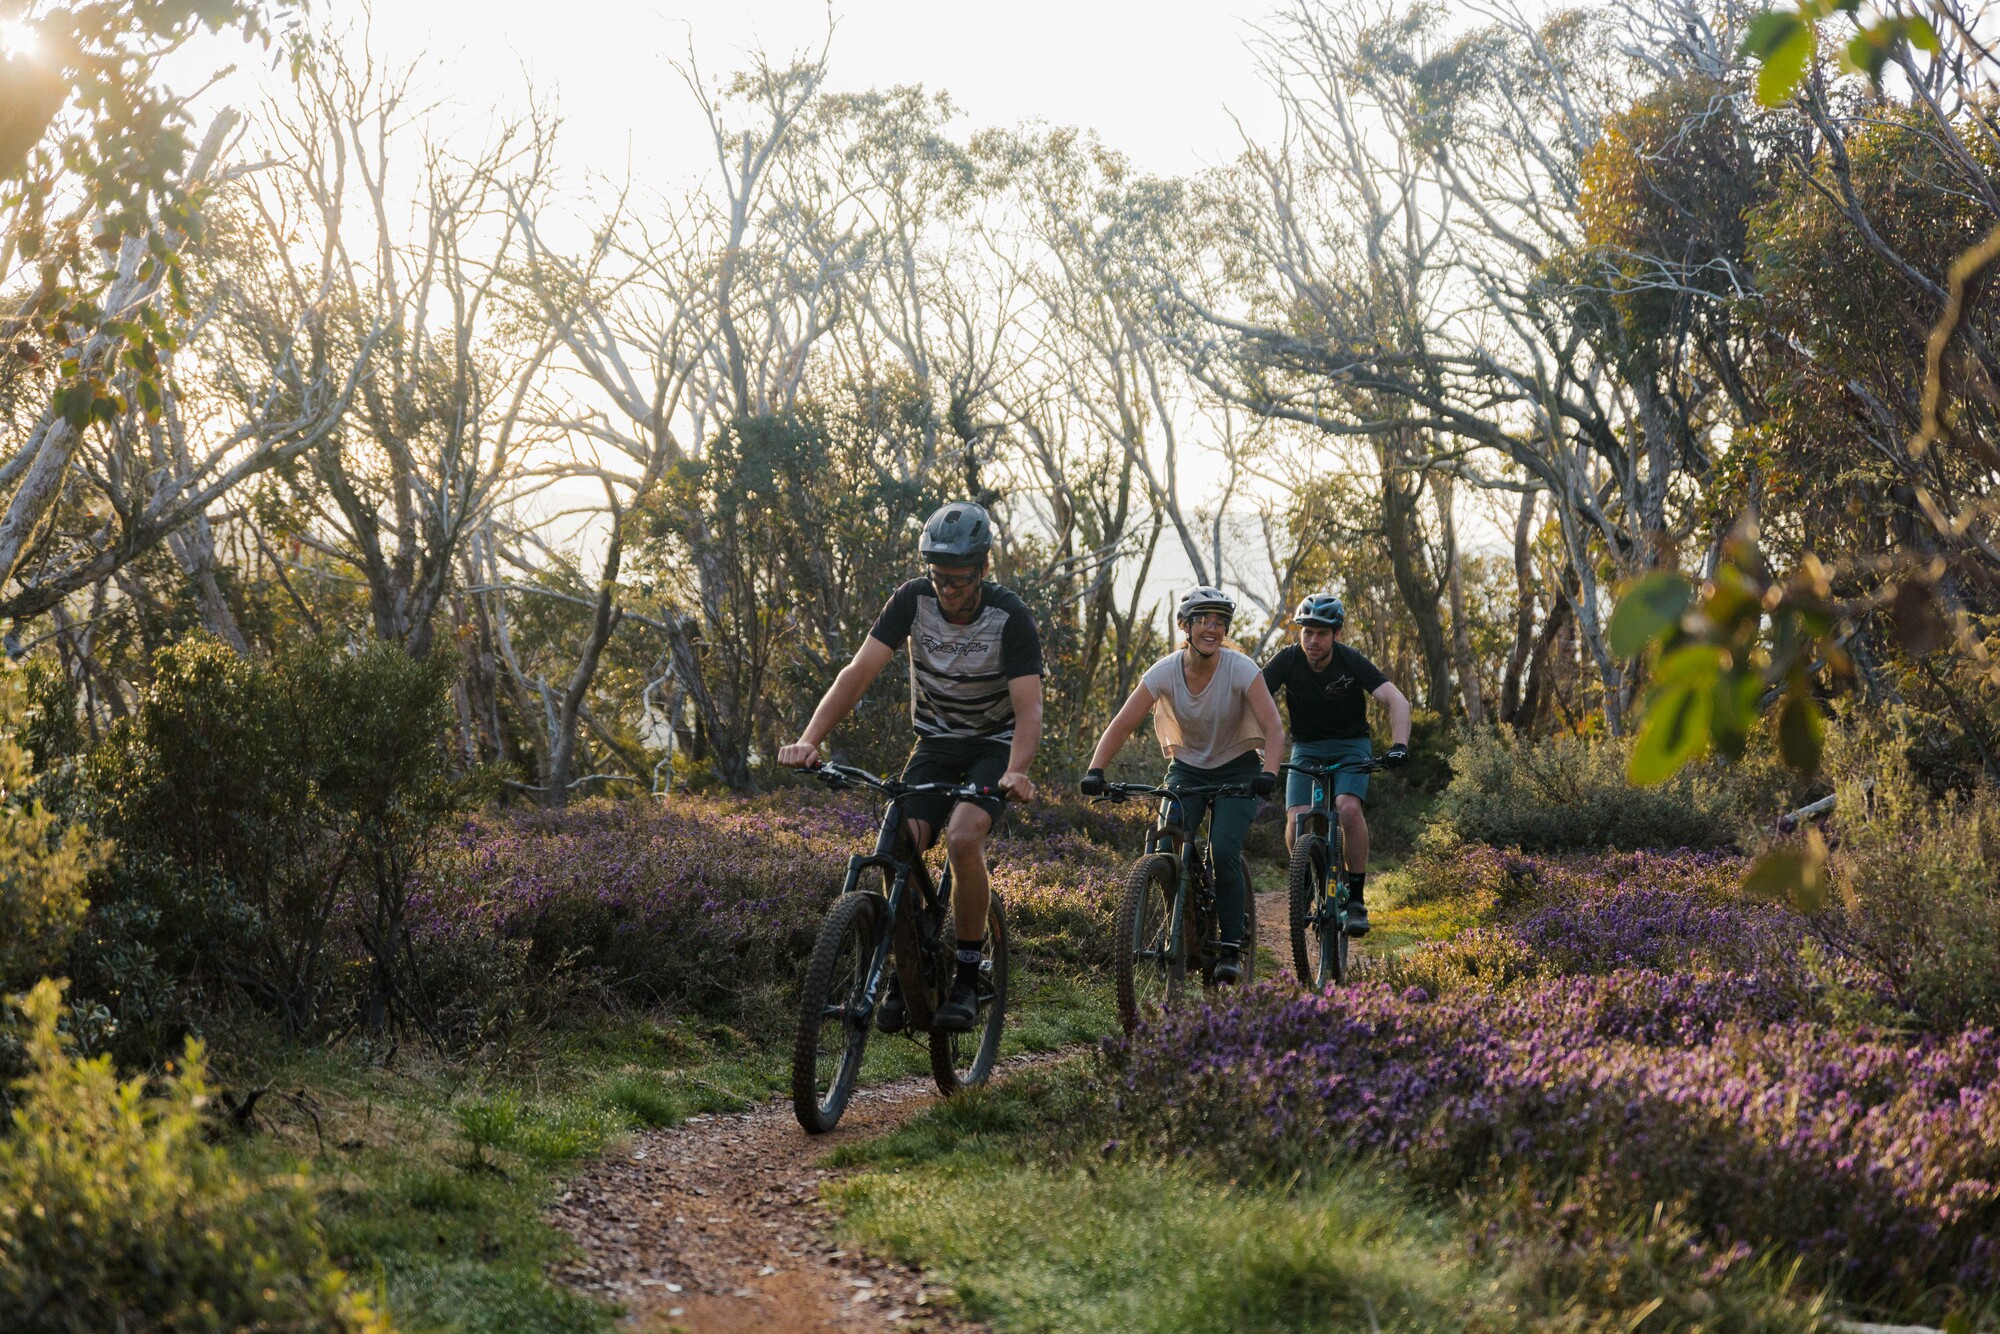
<point>1323,821</point>
<point>896,871</point>
<point>1169,830</point>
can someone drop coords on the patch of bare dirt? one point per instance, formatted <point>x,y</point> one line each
<point>717,1225</point>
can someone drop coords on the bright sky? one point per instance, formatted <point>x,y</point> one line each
<point>1158,79</point>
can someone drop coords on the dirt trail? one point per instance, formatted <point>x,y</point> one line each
<point>1274,931</point>
<point>717,1225</point>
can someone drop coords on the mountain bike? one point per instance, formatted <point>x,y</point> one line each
<point>1167,923</point>
<point>1319,916</point>
<point>889,913</point>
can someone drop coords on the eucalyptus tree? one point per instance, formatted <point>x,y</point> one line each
<point>679,323</point>
<point>1412,267</point>
<point>111,451</point>
<point>401,246</point>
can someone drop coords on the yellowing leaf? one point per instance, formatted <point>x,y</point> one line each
<point>1801,732</point>
<point>1795,874</point>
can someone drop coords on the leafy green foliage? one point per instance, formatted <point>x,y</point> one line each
<point>116,1216</point>
<point>44,862</point>
<point>1749,636</point>
<point>270,819</point>
<point>93,153</point>
<point>1563,792</point>
<point>1784,41</point>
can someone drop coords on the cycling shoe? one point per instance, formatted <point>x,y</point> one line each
<point>959,1010</point>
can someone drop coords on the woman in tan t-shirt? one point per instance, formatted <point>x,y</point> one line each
<point>1212,713</point>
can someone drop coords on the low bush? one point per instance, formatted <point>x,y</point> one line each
<point>1552,794</point>
<point>116,1216</point>
<point>699,904</point>
<point>45,862</point>
<point>270,819</point>
<point>1916,902</point>
<point>1868,1156</point>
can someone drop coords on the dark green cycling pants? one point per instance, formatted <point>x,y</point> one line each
<point>1227,829</point>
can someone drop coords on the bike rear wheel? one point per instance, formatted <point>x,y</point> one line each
<point>833,1010</point>
<point>1150,967</point>
<point>964,1060</point>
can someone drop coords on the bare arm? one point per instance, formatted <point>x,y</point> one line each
<point>839,701</point>
<point>1273,726</point>
<point>1133,712</point>
<point>1026,692</point>
<point>1399,712</point>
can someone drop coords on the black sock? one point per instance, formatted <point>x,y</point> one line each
<point>1355,880</point>
<point>969,957</point>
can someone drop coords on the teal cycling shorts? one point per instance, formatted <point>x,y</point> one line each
<point>1298,787</point>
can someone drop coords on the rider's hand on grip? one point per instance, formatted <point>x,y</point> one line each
<point>799,755</point>
<point>1395,756</point>
<point>1016,786</point>
<point>1264,784</point>
<point>1092,784</point>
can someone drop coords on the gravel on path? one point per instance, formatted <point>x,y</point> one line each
<point>717,1224</point>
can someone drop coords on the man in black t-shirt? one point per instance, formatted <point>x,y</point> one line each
<point>976,703</point>
<point>1326,686</point>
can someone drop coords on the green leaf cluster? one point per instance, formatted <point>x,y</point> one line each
<point>116,1216</point>
<point>45,864</point>
<point>1784,40</point>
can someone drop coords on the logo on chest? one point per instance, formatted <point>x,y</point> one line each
<point>1338,687</point>
<point>954,648</point>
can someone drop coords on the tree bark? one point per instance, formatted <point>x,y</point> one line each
<point>1524,608</point>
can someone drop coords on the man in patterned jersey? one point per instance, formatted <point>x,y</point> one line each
<point>976,701</point>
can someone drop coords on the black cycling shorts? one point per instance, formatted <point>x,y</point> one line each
<point>943,759</point>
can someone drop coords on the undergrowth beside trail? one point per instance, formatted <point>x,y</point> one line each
<point>1012,1196</point>
<point>431,1174</point>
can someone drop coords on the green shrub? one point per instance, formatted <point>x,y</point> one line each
<point>44,863</point>
<point>270,818</point>
<point>1916,900</point>
<point>116,1216</point>
<point>1551,794</point>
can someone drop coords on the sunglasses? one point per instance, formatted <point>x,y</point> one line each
<point>1207,618</point>
<point>953,583</point>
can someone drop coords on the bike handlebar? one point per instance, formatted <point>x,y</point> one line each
<point>1120,791</point>
<point>1350,767</point>
<point>846,775</point>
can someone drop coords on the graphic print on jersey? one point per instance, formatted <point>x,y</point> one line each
<point>959,673</point>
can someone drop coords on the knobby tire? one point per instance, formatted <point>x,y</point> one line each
<point>836,975</point>
<point>1319,945</point>
<point>1145,908</point>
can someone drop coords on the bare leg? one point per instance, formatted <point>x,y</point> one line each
<point>965,846</point>
<point>1353,830</point>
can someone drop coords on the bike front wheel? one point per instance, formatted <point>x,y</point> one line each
<point>1319,937</point>
<point>964,1060</point>
<point>1151,966</point>
<point>834,1015</point>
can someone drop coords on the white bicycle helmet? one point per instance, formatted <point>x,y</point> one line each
<point>1201,598</point>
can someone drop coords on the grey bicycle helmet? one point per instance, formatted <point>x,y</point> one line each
<point>1321,609</point>
<point>959,534</point>
<point>1201,598</point>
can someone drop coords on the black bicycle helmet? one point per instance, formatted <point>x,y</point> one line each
<point>1201,598</point>
<point>959,534</point>
<point>1321,609</point>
